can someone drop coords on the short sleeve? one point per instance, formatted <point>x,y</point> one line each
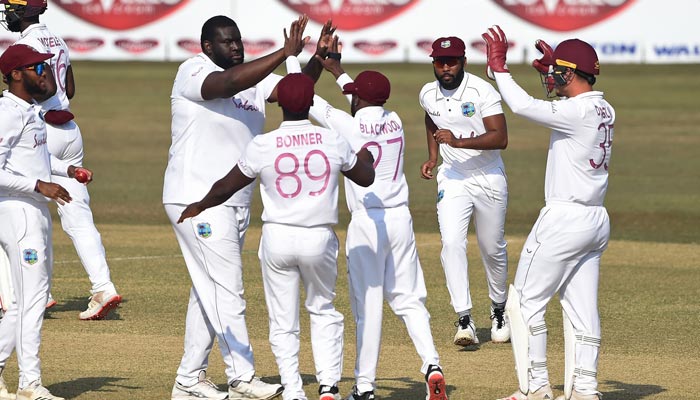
<point>250,162</point>
<point>347,155</point>
<point>190,79</point>
<point>491,102</point>
<point>268,85</point>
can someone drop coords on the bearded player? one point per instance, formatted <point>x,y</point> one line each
<point>66,143</point>
<point>562,253</point>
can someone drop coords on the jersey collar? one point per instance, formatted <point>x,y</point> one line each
<point>21,102</point>
<point>292,124</point>
<point>31,28</point>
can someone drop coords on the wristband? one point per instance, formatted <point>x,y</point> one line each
<point>335,56</point>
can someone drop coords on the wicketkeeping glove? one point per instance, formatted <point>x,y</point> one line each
<point>496,48</point>
<point>542,65</point>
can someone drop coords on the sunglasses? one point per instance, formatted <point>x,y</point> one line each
<point>450,62</point>
<point>38,68</point>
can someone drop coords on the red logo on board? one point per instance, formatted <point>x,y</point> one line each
<point>83,45</point>
<point>120,14</point>
<point>136,46</point>
<point>350,14</point>
<point>375,48</point>
<point>256,47</point>
<point>425,45</point>
<point>190,45</point>
<point>563,15</point>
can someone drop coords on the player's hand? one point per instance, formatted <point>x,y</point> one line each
<point>445,136</point>
<point>426,170</point>
<point>325,40</point>
<point>332,62</point>
<point>496,49</point>
<point>80,174</point>
<point>295,42</point>
<point>190,211</point>
<point>543,64</point>
<point>53,191</point>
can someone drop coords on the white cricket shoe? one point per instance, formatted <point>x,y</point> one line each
<point>101,303</point>
<point>36,392</point>
<point>500,330</point>
<point>204,389</point>
<point>578,396</point>
<point>255,389</point>
<point>466,332</point>
<point>543,393</point>
<point>5,392</point>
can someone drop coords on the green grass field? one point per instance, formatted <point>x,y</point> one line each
<point>650,277</point>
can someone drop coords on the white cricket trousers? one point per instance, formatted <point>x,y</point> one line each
<point>211,245</point>
<point>482,193</point>
<point>66,143</point>
<point>562,253</point>
<point>25,235</point>
<point>291,256</point>
<point>383,264</point>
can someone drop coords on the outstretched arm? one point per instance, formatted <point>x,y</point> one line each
<point>314,67</point>
<point>221,191</point>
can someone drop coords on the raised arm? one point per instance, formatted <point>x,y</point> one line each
<point>224,84</point>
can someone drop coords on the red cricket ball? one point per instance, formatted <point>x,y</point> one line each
<point>81,175</point>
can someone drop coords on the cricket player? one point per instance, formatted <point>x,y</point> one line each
<point>298,165</point>
<point>65,142</point>
<point>218,106</point>
<point>380,245</point>
<point>562,253</point>
<point>26,168</point>
<point>464,119</point>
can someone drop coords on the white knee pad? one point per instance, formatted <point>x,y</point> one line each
<point>572,366</point>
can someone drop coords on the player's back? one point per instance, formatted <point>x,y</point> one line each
<point>298,165</point>
<point>381,132</point>
<point>41,39</point>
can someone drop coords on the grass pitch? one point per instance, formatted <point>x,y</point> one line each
<point>650,279</point>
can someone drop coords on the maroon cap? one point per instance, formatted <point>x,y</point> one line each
<point>20,55</point>
<point>295,93</point>
<point>577,54</point>
<point>370,86</point>
<point>32,7</point>
<point>448,47</point>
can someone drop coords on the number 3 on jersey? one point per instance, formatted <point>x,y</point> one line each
<point>316,168</point>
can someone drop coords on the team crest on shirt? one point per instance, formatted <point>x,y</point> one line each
<point>204,230</point>
<point>468,109</point>
<point>441,194</point>
<point>30,256</point>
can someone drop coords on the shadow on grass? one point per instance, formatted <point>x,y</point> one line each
<point>98,384</point>
<point>78,305</point>
<point>626,391</point>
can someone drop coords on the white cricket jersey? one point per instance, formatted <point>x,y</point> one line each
<point>462,112</point>
<point>381,132</point>
<point>42,40</point>
<point>298,165</point>
<point>580,144</point>
<point>24,156</point>
<point>209,136</point>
